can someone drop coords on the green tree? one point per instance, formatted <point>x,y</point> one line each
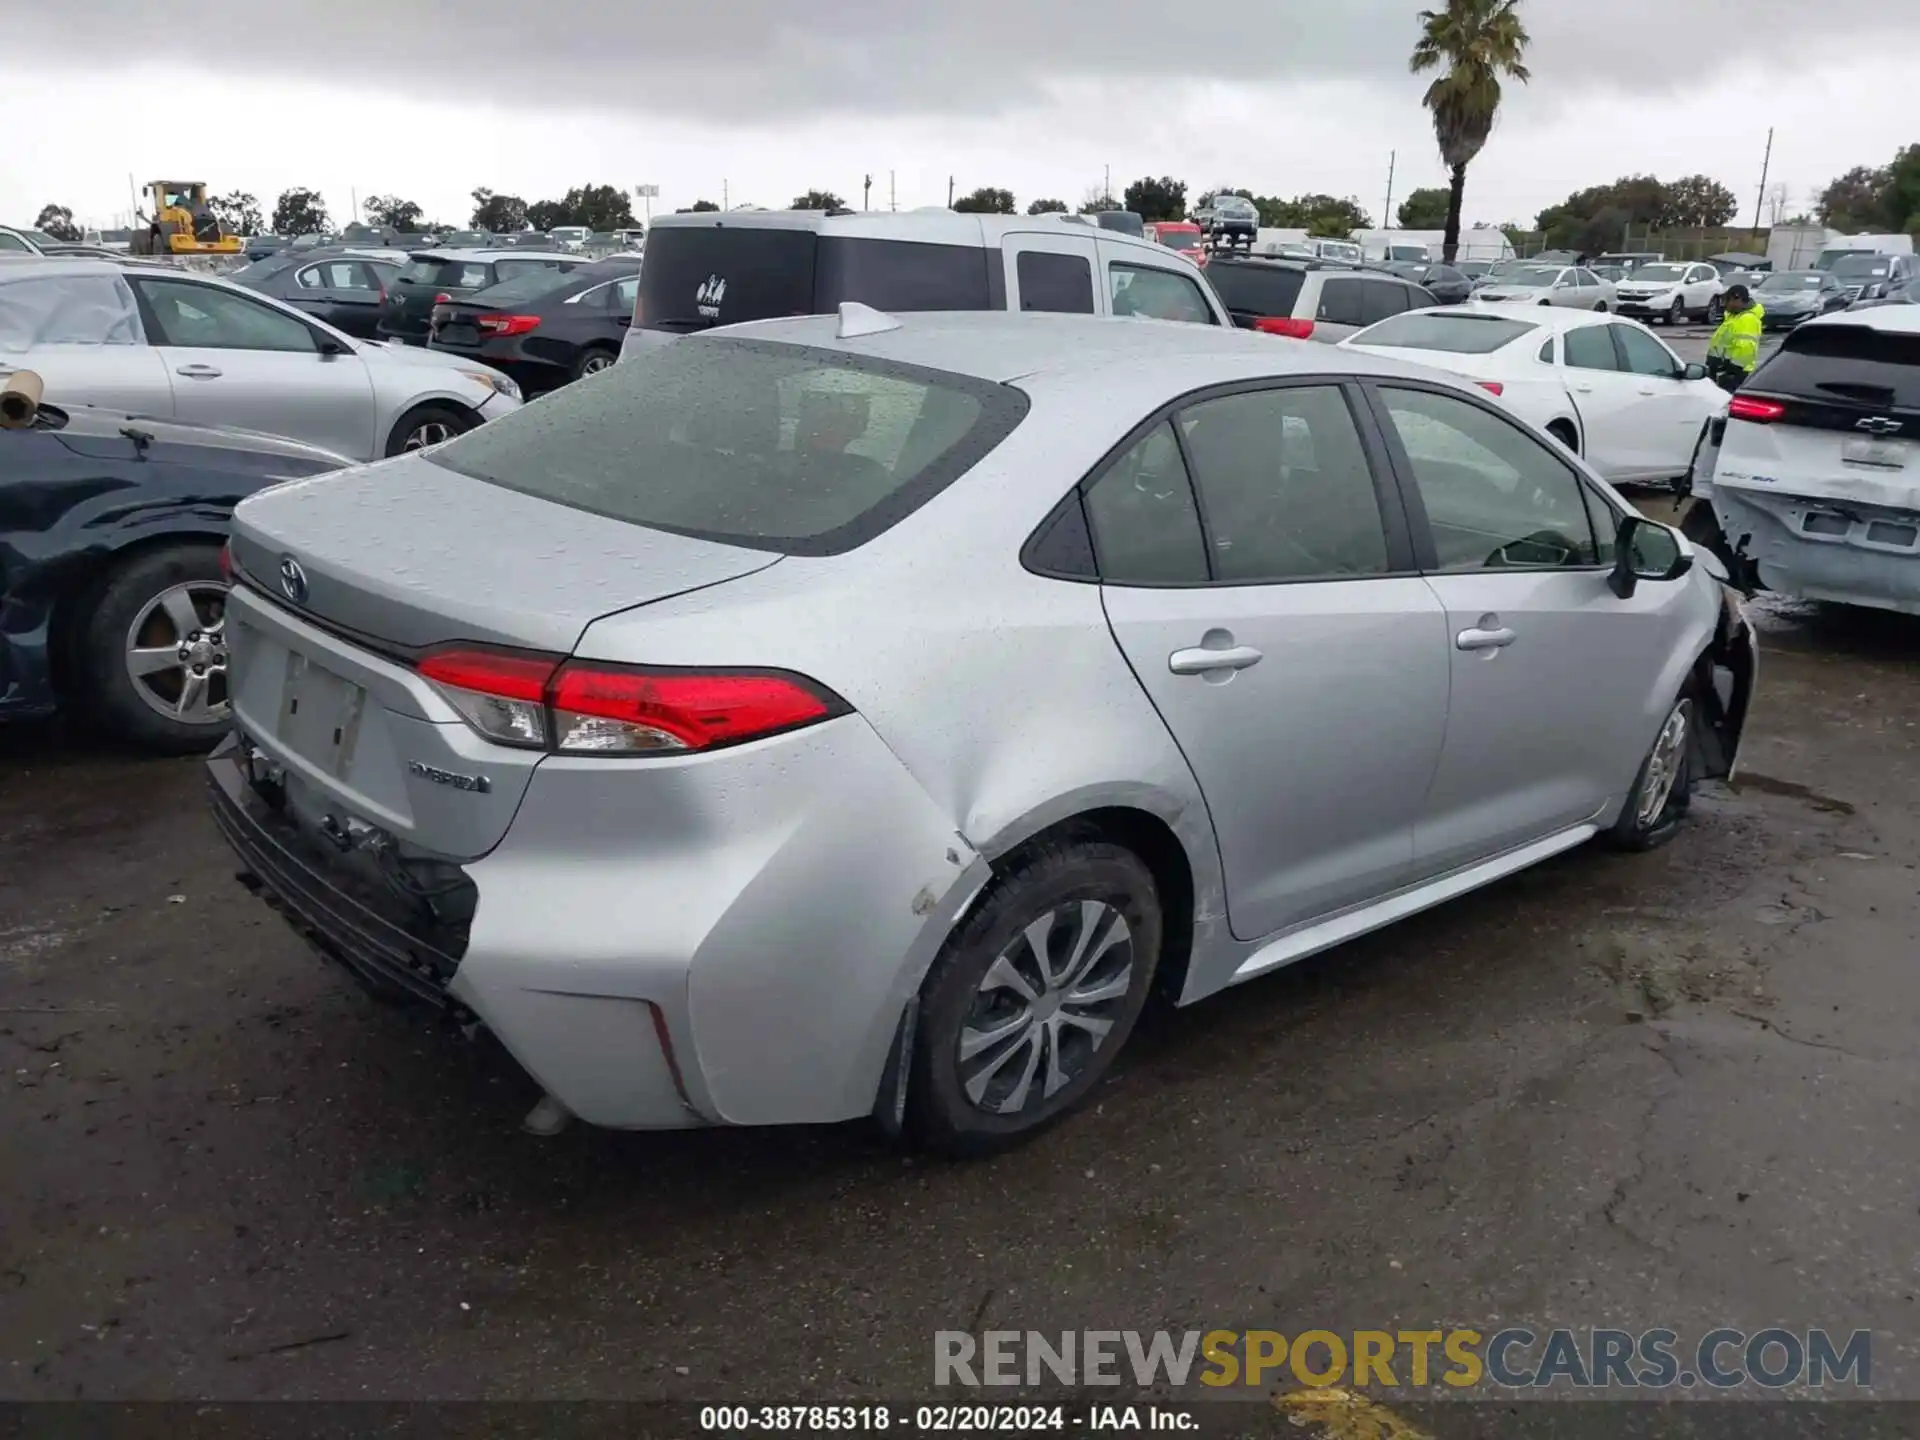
<point>818,200</point>
<point>545,214</point>
<point>300,211</point>
<point>238,212</point>
<point>1282,214</point>
<point>1424,209</point>
<point>1631,200</point>
<point>1698,201</point>
<point>598,207</point>
<point>393,212</point>
<point>1856,200</point>
<point>1329,216</point>
<point>986,201</point>
<point>1047,207</point>
<point>1901,202</point>
<point>1162,199</point>
<point>57,221</point>
<point>1474,44</point>
<point>1098,200</point>
<point>501,214</point>
<point>699,207</point>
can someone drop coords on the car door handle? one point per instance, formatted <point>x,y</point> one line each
<point>1198,661</point>
<point>1477,639</point>
<point>199,372</point>
<point>1583,389</point>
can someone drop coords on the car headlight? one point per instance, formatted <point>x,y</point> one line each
<point>500,383</point>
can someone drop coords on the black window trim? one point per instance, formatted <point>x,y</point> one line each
<point>1402,557</point>
<point>1416,506</point>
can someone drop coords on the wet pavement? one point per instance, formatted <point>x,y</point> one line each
<point>1663,1090</point>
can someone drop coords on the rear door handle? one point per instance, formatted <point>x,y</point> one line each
<point>199,372</point>
<point>1199,661</point>
<point>1484,639</point>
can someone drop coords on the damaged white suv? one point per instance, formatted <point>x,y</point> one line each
<point>1814,477</point>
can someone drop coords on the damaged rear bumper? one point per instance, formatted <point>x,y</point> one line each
<point>1818,548</point>
<point>1729,670</point>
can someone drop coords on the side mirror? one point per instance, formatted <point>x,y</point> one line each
<point>1645,550</point>
<point>1694,371</point>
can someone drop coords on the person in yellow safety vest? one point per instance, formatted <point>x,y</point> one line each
<point>1735,347</point>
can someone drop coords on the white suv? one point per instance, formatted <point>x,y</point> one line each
<point>1671,291</point>
<point>1814,481</point>
<point>705,270</point>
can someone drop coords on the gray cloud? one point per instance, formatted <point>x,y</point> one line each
<point>744,61</point>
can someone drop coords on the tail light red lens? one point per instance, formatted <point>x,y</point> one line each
<point>1492,387</point>
<point>226,562</point>
<point>1284,325</point>
<point>443,299</point>
<point>506,324</point>
<point>582,708</point>
<point>1752,407</point>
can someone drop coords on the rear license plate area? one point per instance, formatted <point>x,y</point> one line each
<point>1875,454</point>
<point>320,714</point>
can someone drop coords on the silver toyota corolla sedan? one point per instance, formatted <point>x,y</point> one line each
<point>851,715</point>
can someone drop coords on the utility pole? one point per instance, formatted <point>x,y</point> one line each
<point>949,192</point>
<point>1386,213</point>
<point>356,205</point>
<point>866,193</point>
<point>893,202</point>
<point>1765,164</point>
<point>1106,183</point>
<point>724,202</point>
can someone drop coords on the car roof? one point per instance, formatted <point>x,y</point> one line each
<point>1546,317</point>
<point>932,224</point>
<point>491,252</point>
<point>1002,346</point>
<point>1897,319</point>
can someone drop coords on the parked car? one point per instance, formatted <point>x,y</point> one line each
<point>1257,716</point>
<point>1604,387</point>
<point>571,238</point>
<point>12,242</point>
<point>1628,260</point>
<point>1474,270</point>
<point>1871,277</point>
<point>110,582</point>
<point>1808,488</point>
<point>1345,252</point>
<point>1181,235</point>
<point>1448,284</point>
<point>346,289</point>
<point>1125,222</point>
<point>703,270</point>
<point>1739,260</point>
<point>434,277</point>
<point>1571,286</point>
<point>259,247</point>
<point>1229,220</point>
<point>1309,301</point>
<point>631,239</point>
<point>1673,291</point>
<point>1908,294</point>
<point>184,346</point>
<point>544,327</point>
<point>468,240</point>
<point>1790,297</point>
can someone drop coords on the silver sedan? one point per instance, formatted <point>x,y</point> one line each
<point>1573,286</point>
<point>178,345</point>
<point>865,716</point>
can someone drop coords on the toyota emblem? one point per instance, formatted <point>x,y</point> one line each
<point>293,580</point>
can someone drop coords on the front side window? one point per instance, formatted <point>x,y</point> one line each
<point>1495,497</point>
<point>1590,347</point>
<point>200,317</point>
<point>1146,530</point>
<point>1644,354</point>
<point>1055,282</point>
<point>1154,294</point>
<point>1285,486</point>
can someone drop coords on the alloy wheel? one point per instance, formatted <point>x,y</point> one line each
<point>1045,1007</point>
<point>430,432</point>
<point>594,364</point>
<point>1677,316</point>
<point>176,654</point>
<point>1664,765</point>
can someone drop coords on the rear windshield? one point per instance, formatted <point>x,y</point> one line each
<point>1845,362</point>
<point>1256,289</point>
<point>1179,239</point>
<point>775,447</point>
<point>1455,334</point>
<point>526,286</point>
<point>699,277</point>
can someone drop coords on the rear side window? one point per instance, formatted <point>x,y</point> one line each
<point>1341,303</point>
<point>1055,282</point>
<point>1260,290</point>
<point>699,276</point>
<point>1454,334</point>
<point>1146,527</point>
<point>420,272</point>
<point>528,285</point>
<point>901,275</point>
<point>1845,363</point>
<point>774,447</point>
<point>1381,298</point>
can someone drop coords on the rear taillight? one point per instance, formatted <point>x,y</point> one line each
<point>1284,325</point>
<point>583,708</point>
<point>443,298</point>
<point>1752,407</point>
<point>226,562</point>
<point>506,324</point>
<point>1492,387</point>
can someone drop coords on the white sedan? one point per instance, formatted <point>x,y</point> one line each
<point>1604,387</point>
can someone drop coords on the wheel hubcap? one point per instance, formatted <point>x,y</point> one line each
<point>595,364</point>
<point>1045,1007</point>
<point>1665,763</point>
<point>176,654</point>
<point>431,433</point>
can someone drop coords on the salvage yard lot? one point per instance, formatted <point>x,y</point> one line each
<point>1671,1089</point>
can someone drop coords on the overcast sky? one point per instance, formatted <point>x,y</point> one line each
<point>430,98</point>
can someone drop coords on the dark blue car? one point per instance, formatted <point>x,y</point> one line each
<point>112,591</point>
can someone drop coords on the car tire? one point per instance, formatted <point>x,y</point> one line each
<point>1564,432</point>
<point>1677,315</point>
<point>593,360</point>
<point>139,615</point>
<point>1663,789</point>
<point>1600,307</point>
<point>1715,310</point>
<point>429,424</point>
<point>1067,896</point>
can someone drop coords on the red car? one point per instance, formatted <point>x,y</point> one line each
<point>1181,235</point>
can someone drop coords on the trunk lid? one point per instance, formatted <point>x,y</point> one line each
<point>396,558</point>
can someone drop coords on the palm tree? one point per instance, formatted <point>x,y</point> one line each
<point>1478,42</point>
